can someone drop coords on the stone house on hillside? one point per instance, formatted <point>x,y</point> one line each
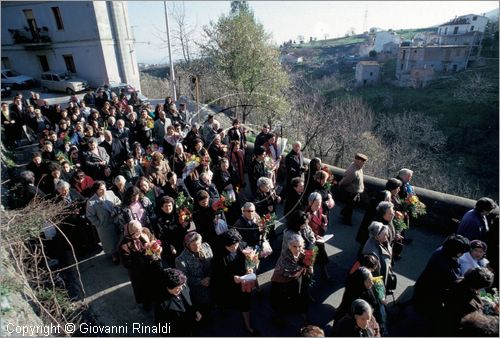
<point>367,73</point>
<point>456,46</point>
<point>382,38</point>
<point>91,38</point>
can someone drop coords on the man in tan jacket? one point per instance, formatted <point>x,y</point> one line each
<point>352,184</point>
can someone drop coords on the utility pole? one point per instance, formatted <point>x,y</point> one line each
<point>172,74</point>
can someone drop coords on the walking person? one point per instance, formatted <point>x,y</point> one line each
<point>353,186</point>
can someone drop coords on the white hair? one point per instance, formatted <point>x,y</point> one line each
<point>119,179</point>
<point>264,181</point>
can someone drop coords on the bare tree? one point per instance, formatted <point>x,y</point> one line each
<point>183,32</point>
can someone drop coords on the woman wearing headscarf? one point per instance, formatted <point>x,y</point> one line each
<point>142,268</point>
<point>379,246</point>
<point>196,263</point>
<point>175,307</point>
<point>289,288</point>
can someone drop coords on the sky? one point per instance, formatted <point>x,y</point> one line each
<point>286,20</point>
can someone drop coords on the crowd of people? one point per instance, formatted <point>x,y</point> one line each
<point>190,212</point>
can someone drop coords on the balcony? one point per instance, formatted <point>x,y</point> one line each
<point>31,39</point>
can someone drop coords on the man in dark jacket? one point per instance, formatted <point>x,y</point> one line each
<point>294,163</point>
<point>115,150</point>
<point>474,224</point>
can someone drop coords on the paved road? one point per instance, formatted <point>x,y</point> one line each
<point>111,299</point>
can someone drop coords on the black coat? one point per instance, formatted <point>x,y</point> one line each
<point>177,312</point>
<point>116,151</point>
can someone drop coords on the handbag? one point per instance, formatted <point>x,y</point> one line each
<point>266,250</point>
<point>392,281</point>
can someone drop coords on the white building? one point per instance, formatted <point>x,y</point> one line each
<point>465,24</point>
<point>92,38</point>
<point>381,38</point>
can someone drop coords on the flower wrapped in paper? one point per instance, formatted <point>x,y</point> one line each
<point>310,257</point>
<point>220,204</point>
<point>399,222</point>
<point>153,249</point>
<point>490,302</point>
<point>379,287</point>
<point>414,207</point>
<point>251,259</point>
<point>191,164</point>
<point>229,197</point>
<point>267,223</point>
<point>184,206</point>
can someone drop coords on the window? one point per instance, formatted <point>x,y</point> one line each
<point>5,62</point>
<point>471,28</point>
<point>474,18</point>
<point>371,73</point>
<point>455,30</point>
<point>70,64</point>
<point>446,31</point>
<point>43,63</point>
<point>57,16</point>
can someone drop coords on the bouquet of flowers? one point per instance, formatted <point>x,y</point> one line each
<point>378,287</point>
<point>184,206</point>
<point>414,207</point>
<point>269,164</point>
<point>153,249</point>
<point>251,259</point>
<point>310,256</point>
<point>220,204</point>
<point>399,222</point>
<point>229,197</point>
<point>331,179</point>
<point>267,223</point>
<point>191,164</point>
<point>490,302</point>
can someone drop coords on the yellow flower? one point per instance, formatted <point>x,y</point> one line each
<point>414,199</point>
<point>377,279</point>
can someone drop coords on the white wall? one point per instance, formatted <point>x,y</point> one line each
<point>381,38</point>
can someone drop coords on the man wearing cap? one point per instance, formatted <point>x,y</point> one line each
<point>474,224</point>
<point>353,185</point>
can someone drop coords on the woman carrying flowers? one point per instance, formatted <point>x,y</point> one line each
<point>288,291</point>
<point>196,262</point>
<point>139,253</point>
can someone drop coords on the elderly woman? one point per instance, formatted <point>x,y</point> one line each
<point>142,268</point>
<point>288,291</point>
<point>476,257</point>
<point>175,308</point>
<point>96,160</point>
<point>299,225</point>
<point>266,197</point>
<point>378,245</point>
<point>178,159</point>
<point>196,263</point>
<point>157,165</point>
<point>360,285</point>
<point>120,186</point>
<point>101,209</point>
<point>74,224</point>
<point>229,268</point>
<point>172,188</point>
<point>359,322</point>
<point>370,214</point>
<point>318,223</point>
<point>205,183</point>
<point>136,206</point>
